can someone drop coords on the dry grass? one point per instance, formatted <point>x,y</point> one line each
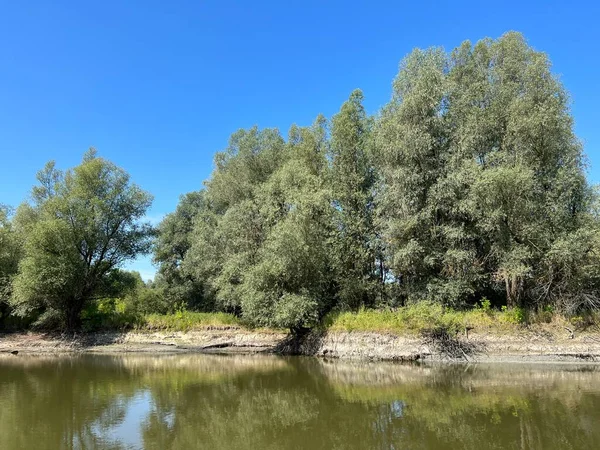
<point>187,320</point>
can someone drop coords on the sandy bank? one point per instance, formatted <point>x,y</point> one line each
<point>528,345</point>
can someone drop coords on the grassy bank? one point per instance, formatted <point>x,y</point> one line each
<point>408,320</point>
<point>188,320</point>
<point>415,319</point>
<point>178,321</point>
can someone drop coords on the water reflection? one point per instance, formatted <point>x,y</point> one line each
<point>266,402</point>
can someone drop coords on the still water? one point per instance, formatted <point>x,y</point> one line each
<point>265,402</point>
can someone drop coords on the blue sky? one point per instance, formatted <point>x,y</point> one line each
<point>158,87</point>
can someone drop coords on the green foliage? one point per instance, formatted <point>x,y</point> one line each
<point>352,181</point>
<point>251,157</point>
<point>262,253</point>
<point>174,281</point>
<point>82,226</point>
<point>108,315</point>
<point>515,316</point>
<point>287,283</point>
<point>467,188</point>
<point>469,184</point>
<point>482,177</point>
<point>10,255</point>
<point>139,298</point>
<point>411,319</point>
<point>485,304</point>
<point>426,316</point>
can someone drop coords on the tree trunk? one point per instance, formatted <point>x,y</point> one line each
<point>510,302</point>
<point>73,316</point>
<point>514,287</point>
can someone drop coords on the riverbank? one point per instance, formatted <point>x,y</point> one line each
<point>529,344</point>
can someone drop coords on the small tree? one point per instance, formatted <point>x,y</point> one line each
<point>82,226</point>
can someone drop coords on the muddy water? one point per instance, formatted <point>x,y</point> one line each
<point>265,402</point>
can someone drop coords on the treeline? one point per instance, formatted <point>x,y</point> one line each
<point>468,185</point>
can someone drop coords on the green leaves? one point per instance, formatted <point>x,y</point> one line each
<point>352,179</point>
<point>478,159</point>
<point>83,225</point>
<point>258,244</point>
<point>469,183</point>
<point>10,254</point>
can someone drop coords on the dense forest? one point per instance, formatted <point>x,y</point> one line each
<point>468,186</point>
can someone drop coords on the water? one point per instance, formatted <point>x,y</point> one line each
<point>265,402</point>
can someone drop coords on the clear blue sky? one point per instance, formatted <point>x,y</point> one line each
<point>157,86</point>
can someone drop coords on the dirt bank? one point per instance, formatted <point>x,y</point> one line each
<point>528,345</point>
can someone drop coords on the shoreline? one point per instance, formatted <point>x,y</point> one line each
<point>525,346</point>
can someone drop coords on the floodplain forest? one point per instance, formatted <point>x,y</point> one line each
<point>467,189</point>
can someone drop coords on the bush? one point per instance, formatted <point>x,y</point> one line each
<point>516,316</point>
<point>412,319</point>
<point>143,300</point>
<point>108,314</point>
<point>486,305</point>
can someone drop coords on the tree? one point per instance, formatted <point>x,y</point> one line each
<point>469,183</point>
<point>82,226</point>
<point>260,244</point>
<point>170,249</point>
<point>10,255</point>
<point>352,183</point>
<point>290,283</point>
<point>411,146</point>
<point>228,231</point>
<point>511,116</point>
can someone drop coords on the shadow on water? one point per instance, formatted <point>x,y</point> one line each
<point>269,402</point>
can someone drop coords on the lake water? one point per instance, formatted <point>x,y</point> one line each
<point>195,401</point>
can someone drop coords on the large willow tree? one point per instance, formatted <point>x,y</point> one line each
<point>82,226</point>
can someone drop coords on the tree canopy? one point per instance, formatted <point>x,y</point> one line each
<point>82,225</point>
<point>469,183</point>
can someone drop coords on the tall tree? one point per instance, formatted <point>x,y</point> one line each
<point>352,183</point>
<point>82,226</point>
<point>290,283</point>
<point>469,183</point>
<point>481,171</point>
<point>229,231</point>
<point>411,140</point>
<point>512,127</point>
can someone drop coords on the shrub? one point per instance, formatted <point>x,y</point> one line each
<point>516,316</point>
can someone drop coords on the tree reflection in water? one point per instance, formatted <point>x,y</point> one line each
<point>266,402</point>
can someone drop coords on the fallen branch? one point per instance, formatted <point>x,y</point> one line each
<point>570,331</point>
<point>220,345</point>
<point>447,344</point>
